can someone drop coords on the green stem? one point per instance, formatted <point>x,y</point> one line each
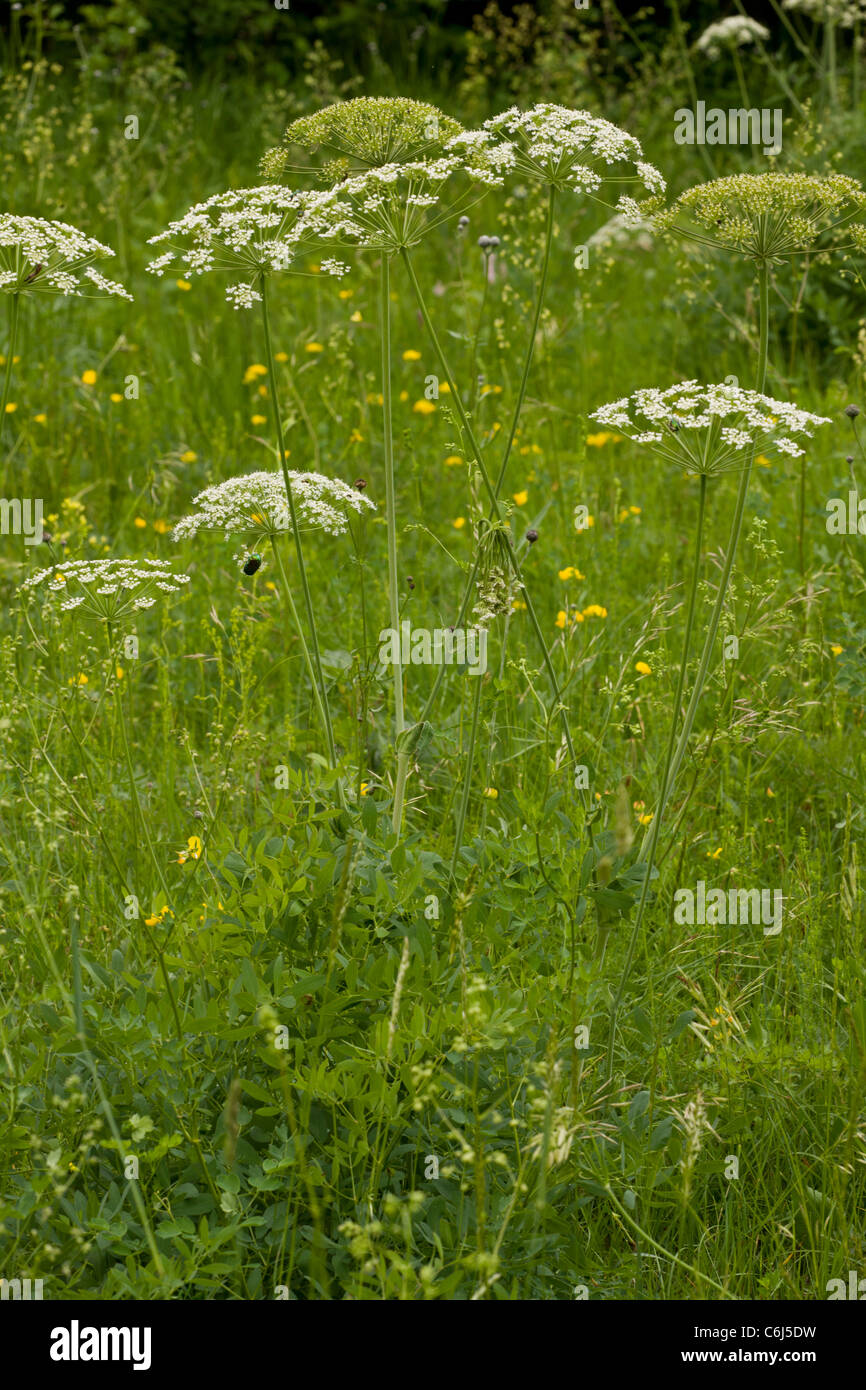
<point>390,500</point>
<point>496,512</point>
<point>648,848</point>
<point>734,539</point>
<point>317,678</point>
<point>530,347</point>
<point>14,316</point>
<point>652,838</point>
<point>308,660</point>
<point>467,780</point>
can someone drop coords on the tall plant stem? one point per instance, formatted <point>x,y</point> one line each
<point>648,848</point>
<point>316,668</point>
<point>308,660</point>
<point>515,420</point>
<point>14,318</point>
<point>652,838</point>
<point>496,512</point>
<point>736,528</point>
<point>530,346</point>
<point>467,781</point>
<point>390,492</point>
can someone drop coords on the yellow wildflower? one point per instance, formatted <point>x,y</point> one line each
<point>188,456</point>
<point>183,284</point>
<point>571,572</point>
<point>521,498</point>
<point>642,667</point>
<point>458,523</point>
<point>424,407</point>
<point>411,355</point>
<point>254,371</point>
<point>313,347</point>
<point>140,523</point>
<point>89,378</point>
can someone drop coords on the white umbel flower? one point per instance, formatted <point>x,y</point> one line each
<point>567,148</point>
<point>845,13</point>
<point>709,429</point>
<point>251,232</point>
<point>737,31</point>
<point>107,589</point>
<point>39,257</point>
<point>257,503</point>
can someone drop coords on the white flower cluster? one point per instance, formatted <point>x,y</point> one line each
<point>707,428</point>
<point>845,13</point>
<point>39,257</point>
<point>108,589</point>
<point>257,502</point>
<point>559,146</point>
<point>386,208</point>
<point>252,231</point>
<point>734,32</point>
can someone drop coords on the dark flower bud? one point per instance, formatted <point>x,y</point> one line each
<point>532,536</point>
<point>493,241</point>
<point>410,582</point>
<point>852,411</point>
<point>484,242</point>
<point>463,222</point>
<point>849,458</point>
<point>360,484</point>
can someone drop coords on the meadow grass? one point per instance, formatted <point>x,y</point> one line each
<point>344,1060</point>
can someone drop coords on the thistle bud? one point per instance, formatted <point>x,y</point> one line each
<point>532,535</point>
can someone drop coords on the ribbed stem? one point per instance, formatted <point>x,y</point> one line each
<point>390,498</point>
<point>316,675</point>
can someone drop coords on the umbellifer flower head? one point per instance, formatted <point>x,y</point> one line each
<point>389,208</point>
<point>108,589</point>
<point>709,429</point>
<point>257,503</point>
<point>566,148</point>
<point>845,13</point>
<point>772,217</point>
<point>366,131</point>
<point>39,257</point>
<point>736,31</point>
<point>251,232</point>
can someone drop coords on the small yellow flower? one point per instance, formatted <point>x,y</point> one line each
<point>357,317</point>
<point>258,419</point>
<point>89,378</point>
<point>635,511</point>
<point>194,847</point>
<point>646,818</point>
<point>770,792</point>
<point>424,407</point>
<point>458,523</point>
<point>140,523</point>
<point>411,355</point>
<point>597,441</point>
<point>452,460</point>
<point>263,391</point>
<point>714,854</point>
<point>346,294</point>
<point>269,584</point>
<point>151,921</point>
<point>836,650</point>
<point>281,357</point>
<point>491,792</point>
<point>375,398</point>
<point>364,788</point>
<point>763,461</point>
<point>254,371</point>
<point>642,667</point>
<point>80,679</point>
<point>118,671</point>
<point>183,284</point>
<point>561,619</point>
<point>356,437</point>
<point>41,419</point>
<point>578,617</point>
<point>11,407</point>
<point>116,397</point>
<point>595,610</point>
<point>313,347</point>
<point>521,498</point>
<point>188,456</point>
<point>444,388</point>
<point>623,515</point>
<point>161,526</point>
<point>517,605</point>
<point>16,358</point>
<point>571,572</point>
<point>404,395</point>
